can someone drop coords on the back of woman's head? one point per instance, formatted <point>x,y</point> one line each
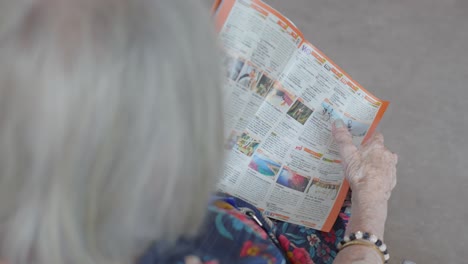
<point>110,127</point>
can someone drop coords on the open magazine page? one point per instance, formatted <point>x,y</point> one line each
<point>257,46</point>
<point>312,92</point>
<point>283,96</point>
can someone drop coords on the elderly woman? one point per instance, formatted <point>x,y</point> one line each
<point>111,139</point>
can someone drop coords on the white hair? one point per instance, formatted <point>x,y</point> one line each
<point>110,127</point>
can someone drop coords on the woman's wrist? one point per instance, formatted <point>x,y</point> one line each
<point>367,215</point>
<point>371,198</point>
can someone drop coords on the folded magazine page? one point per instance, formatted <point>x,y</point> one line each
<point>283,95</point>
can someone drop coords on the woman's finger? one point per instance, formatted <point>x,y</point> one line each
<point>344,140</point>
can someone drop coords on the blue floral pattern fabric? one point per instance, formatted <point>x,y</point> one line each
<point>227,237</point>
<point>321,247</point>
<point>236,232</point>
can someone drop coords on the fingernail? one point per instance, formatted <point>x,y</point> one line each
<point>339,123</point>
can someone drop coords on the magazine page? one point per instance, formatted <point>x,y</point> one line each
<point>283,95</point>
<point>257,44</point>
<point>318,92</point>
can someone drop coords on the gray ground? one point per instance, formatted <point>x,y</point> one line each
<point>415,54</point>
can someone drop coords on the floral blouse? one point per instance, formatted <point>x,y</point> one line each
<point>236,232</point>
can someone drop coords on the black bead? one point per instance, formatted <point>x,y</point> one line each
<point>378,242</point>
<point>352,237</point>
<point>366,235</point>
<point>385,252</point>
<point>342,242</point>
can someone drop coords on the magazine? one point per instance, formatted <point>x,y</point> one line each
<point>283,95</point>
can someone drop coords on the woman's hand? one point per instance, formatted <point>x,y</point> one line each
<point>371,169</point>
<point>371,173</point>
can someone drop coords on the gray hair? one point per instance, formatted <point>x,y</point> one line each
<point>110,127</point>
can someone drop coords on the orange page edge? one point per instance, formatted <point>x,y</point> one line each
<point>215,6</point>
<point>224,8</point>
<point>280,16</point>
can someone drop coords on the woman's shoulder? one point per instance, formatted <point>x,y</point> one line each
<point>227,236</point>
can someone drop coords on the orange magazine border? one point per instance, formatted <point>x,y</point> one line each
<point>215,6</point>
<point>333,215</point>
<point>223,12</point>
<point>225,9</point>
<point>377,120</point>
<point>280,16</point>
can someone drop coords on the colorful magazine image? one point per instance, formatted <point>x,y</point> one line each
<point>249,76</point>
<point>247,144</point>
<point>232,139</point>
<point>293,180</point>
<point>300,112</point>
<point>263,85</point>
<point>323,189</point>
<point>264,165</point>
<point>356,128</point>
<point>280,97</point>
<point>232,67</point>
<point>328,112</point>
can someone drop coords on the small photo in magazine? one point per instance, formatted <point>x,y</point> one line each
<point>356,128</point>
<point>232,66</point>
<point>300,112</point>
<point>232,139</point>
<point>323,189</point>
<point>293,180</point>
<point>263,85</point>
<point>328,112</point>
<point>264,165</point>
<point>247,144</point>
<point>249,76</point>
<point>280,97</point>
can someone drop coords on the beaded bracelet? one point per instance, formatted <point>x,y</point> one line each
<point>364,236</point>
